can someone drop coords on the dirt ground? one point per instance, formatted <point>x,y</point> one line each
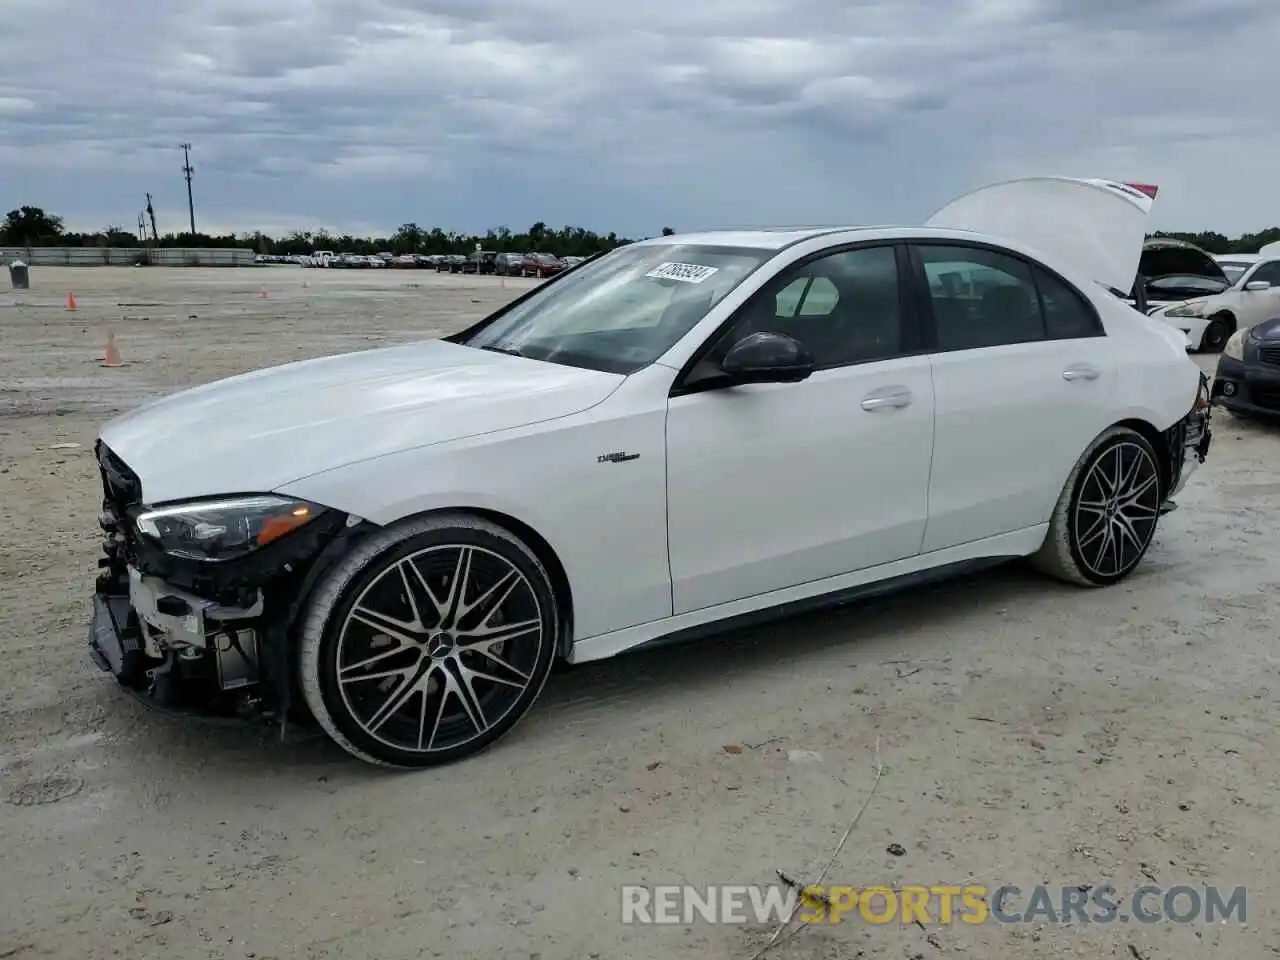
<point>1030,732</point>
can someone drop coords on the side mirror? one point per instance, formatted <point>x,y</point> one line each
<point>1255,285</point>
<point>767,358</point>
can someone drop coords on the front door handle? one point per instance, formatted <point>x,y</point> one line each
<point>891,398</point>
<point>1081,371</point>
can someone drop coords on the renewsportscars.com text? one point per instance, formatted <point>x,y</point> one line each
<point>932,905</point>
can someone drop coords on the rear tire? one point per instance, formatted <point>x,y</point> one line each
<point>1217,333</point>
<point>1106,515</point>
<point>429,641</point>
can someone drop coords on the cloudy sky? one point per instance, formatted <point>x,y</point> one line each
<point>629,116</point>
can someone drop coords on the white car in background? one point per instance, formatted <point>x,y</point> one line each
<point>680,435</point>
<point>1253,295</point>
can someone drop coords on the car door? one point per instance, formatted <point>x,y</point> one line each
<point>771,485</point>
<point>1021,375</point>
<point>1254,306</point>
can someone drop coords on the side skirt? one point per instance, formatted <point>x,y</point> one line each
<point>819,594</point>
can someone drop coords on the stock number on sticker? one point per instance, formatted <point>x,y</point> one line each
<point>684,272</point>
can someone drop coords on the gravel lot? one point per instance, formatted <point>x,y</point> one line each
<point>1030,732</point>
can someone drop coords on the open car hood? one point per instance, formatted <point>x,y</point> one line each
<point>1165,258</point>
<point>1099,226</point>
<point>1270,249</point>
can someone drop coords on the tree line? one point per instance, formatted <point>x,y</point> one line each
<point>30,226</point>
<point>1214,242</point>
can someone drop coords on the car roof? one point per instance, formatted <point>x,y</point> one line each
<point>778,238</point>
<point>761,238</point>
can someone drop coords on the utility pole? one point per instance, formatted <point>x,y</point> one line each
<point>151,212</point>
<point>186,169</point>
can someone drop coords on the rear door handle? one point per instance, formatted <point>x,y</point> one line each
<point>1081,371</point>
<point>890,398</point>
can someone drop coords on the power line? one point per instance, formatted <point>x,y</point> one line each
<point>186,169</point>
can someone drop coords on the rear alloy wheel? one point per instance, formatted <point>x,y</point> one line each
<point>429,641</point>
<point>1105,518</point>
<point>1217,333</point>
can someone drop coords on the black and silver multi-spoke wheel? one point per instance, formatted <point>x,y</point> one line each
<point>1106,517</point>
<point>429,642</point>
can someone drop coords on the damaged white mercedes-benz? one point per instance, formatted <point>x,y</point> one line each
<point>681,435</point>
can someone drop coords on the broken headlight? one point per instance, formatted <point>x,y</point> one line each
<point>224,529</point>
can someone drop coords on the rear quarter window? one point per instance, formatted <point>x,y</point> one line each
<point>1067,314</point>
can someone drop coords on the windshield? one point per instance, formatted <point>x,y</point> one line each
<point>623,311</point>
<point>1234,269</point>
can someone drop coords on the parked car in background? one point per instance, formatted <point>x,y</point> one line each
<point>508,264</point>
<point>1247,381</point>
<point>411,536</point>
<point>480,261</point>
<point>571,262</point>
<point>1248,371</point>
<point>540,265</point>
<point>1248,294</point>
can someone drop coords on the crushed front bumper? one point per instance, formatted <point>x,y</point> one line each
<point>181,651</point>
<point>212,639</point>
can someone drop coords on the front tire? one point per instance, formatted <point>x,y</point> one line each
<point>1106,515</point>
<point>1217,333</point>
<point>429,641</point>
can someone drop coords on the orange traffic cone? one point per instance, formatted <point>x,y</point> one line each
<point>71,301</point>
<point>111,355</point>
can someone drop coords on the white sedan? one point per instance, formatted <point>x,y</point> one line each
<point>1252,297</point>
<point>685,433</point>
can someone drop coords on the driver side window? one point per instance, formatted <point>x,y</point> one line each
<point>843,307</point>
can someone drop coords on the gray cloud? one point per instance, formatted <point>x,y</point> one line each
<point>475,113</point>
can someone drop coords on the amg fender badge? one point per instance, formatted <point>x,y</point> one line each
<point>618,457</point>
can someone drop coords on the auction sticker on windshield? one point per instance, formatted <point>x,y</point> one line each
<point>684,272</point>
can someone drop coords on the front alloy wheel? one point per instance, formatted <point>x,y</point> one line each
<point>429,643</point>
<point>1105,518</point>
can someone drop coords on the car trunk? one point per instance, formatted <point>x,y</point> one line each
<point>1099,226</point>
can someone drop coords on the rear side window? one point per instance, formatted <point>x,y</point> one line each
<point>1067,315</point>
<point>980,298</point>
